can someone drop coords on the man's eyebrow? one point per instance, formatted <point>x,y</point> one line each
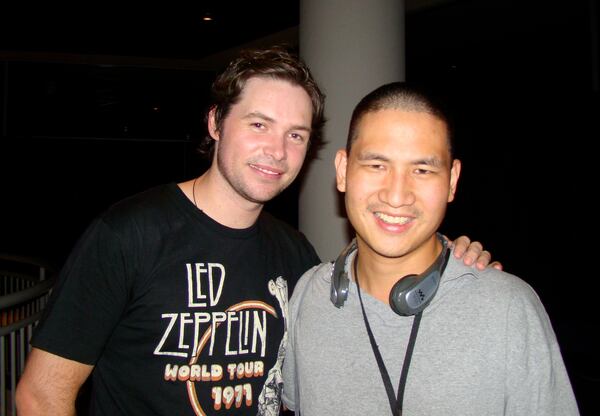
<point>372,156</point>
<point>262,116</point>
<point>430,161</point>
<point>300,127</point>
<point>258,114</point>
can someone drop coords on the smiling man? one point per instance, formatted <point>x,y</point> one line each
<point>397,325</point>
<point>175,299</point>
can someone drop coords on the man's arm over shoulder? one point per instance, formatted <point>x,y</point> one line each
<point>50,384</point>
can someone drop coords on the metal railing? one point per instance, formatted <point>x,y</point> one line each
<point>25,285</point>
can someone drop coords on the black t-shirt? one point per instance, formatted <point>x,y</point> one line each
<point>178,314</point>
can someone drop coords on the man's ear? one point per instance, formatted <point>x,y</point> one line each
<point>454,175</point>
<point>212,125</point>
<point>341,163</point>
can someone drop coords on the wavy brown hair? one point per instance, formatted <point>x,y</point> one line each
<point>276,63</point>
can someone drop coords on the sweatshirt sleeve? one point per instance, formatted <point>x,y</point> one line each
<point>537,380</point>
<point>290,376</point>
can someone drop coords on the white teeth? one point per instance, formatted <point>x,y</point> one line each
<point>391,219</point>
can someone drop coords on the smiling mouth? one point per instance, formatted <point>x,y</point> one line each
<point>265,170</point>
<point>390,219</point>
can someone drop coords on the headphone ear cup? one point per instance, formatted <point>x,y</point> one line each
<point>411,294</point>
<point>340,282</point>
<point>398,293</point>
<point>339,289</point>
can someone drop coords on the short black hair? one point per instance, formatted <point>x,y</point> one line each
<point>401,96</point>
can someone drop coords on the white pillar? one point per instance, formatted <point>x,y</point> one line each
<point>352,47</point>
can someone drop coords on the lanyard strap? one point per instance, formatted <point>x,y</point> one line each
<point>395,402</point>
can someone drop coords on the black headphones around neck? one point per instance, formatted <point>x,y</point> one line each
<point>409,296</point>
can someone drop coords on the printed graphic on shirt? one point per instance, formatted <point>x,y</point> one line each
<point>220,351</point>
<point>270,397</point>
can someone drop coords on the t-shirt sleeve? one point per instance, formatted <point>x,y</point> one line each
<point>89,298</point>
<point>537,380</point>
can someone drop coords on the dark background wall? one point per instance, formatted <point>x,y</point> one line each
<point>80,137</point>
<point>522,77</point>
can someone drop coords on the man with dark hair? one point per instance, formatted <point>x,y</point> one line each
<point>397,325</point>
<point>175,299</point>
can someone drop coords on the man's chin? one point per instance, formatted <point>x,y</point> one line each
<point>262,197</point>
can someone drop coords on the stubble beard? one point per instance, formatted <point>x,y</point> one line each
<point>241,187</point>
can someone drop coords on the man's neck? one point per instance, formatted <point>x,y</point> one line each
<point>377,274</point>
<point>220,202</point>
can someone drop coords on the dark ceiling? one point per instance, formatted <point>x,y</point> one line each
<point>157,30</point>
